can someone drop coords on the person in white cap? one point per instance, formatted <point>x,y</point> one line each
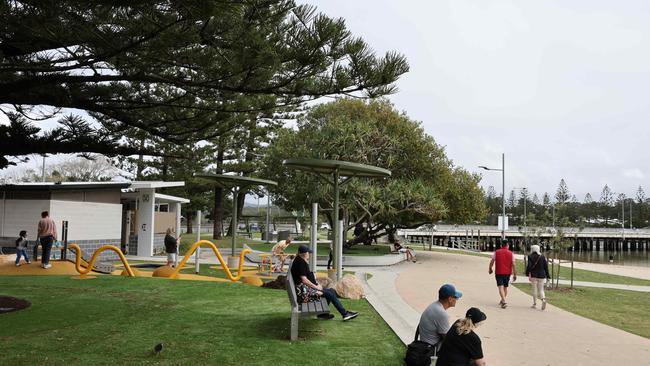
<point>537,272</point>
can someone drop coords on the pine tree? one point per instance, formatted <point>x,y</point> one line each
<point>606,196</point>
<point>546,200</point>
<point>512,199</point>
<point>491,193</point>
<point>176,70</point>
<point>535,199</point>
<point>640,195</point>
<point>562,195</point>
<point>588,198</point>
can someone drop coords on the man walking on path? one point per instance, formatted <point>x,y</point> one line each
<point>505,266</point>
<point>47,236</point>
<point>434,322</point>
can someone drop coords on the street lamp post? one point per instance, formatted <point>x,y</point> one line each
<point>503,193</point>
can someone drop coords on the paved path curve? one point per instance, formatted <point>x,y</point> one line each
<point>515,336</point>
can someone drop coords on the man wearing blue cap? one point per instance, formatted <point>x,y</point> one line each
<point>434,322</point>
<point>307,288</point>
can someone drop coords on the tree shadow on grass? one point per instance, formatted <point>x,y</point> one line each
<point>277,327</point>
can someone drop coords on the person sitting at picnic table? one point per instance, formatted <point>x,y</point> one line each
<point>410,256</point>
<point>278,253</point>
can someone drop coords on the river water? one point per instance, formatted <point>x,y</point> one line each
<point>624,258</point>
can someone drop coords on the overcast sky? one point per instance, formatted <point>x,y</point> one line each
<point>560,87</point>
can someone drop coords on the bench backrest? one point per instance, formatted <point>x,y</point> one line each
<point>291,288</point>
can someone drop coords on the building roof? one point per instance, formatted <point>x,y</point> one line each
<point>168,198</point>
<point>155,184</point>
<point>62,186</point>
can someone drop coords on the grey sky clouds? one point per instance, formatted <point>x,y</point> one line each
<point>560,86</point>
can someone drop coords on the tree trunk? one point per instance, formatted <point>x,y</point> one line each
<point>189,224</point>
<point>217,232</point>
<point>217,213</point>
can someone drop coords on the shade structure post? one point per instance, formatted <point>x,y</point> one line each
<point>339,252</point>
<point>233,221</point>
<point>197,252</point>
<point>268,209</point>
<point>313,237</point>
<point>337,228</point>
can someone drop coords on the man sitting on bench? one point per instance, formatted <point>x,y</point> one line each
<point>307,289</point>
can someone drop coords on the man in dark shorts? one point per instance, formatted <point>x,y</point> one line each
<point>505,266</point>
<point>307,287</point>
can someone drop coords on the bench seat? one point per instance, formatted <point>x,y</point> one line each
<point>299,310</point>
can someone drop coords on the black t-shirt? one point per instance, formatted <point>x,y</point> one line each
<point>301,268</point>
<point>459,350</point>
<point>170,244</point>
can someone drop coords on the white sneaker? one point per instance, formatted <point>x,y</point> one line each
<point>17,264</point>
<point>543,304</point>
<point>47,266</point>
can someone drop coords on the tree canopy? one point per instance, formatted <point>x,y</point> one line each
<point>173,70</point>
<point>424,187</point>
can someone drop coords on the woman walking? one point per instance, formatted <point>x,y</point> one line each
<point>461,345</point>
<point>537,272</point>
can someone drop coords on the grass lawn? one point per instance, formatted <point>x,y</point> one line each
<point>565,272</point>
<point>590,276</point>
<point>117,321</point>
<point>207,269</point>
<point>626,310</point>
<point>366,250</point>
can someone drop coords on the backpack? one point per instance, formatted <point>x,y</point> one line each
<point>419,353</point>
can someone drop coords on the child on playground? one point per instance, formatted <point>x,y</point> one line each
<point>21,248</point>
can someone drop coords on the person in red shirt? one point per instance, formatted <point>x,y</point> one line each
<point>505,266</point>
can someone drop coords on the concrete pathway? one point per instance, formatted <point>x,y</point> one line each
<point>517,335</point>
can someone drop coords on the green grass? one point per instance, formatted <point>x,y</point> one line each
<point>626,310</point>
<point>565,272</point>
<point>117,321</point>
<point>590,276</point>
<point>362,250</point>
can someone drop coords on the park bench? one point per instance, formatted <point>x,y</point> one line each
<point>302,310</point>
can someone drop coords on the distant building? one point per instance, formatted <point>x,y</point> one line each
<point>130,215</point>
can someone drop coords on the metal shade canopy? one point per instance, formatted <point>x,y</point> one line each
<point>234,183</point>
<point>344,168</point>
<point>337,169</point>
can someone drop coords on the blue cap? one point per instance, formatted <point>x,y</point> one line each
<point>448,290</point>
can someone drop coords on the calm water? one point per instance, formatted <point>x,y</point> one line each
<point>628,258</point>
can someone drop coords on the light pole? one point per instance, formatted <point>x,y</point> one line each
<point>503,193</point>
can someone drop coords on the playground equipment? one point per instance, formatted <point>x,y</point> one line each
<point>93,259</point>
<point>214,248</point>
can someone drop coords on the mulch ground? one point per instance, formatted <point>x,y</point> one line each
<point>8,304</point>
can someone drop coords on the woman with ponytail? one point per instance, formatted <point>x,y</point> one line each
<point>462,346</point>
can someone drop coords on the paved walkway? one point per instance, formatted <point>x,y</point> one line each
<point>517,335</point>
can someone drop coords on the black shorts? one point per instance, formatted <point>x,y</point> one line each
<point>502,280</point>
